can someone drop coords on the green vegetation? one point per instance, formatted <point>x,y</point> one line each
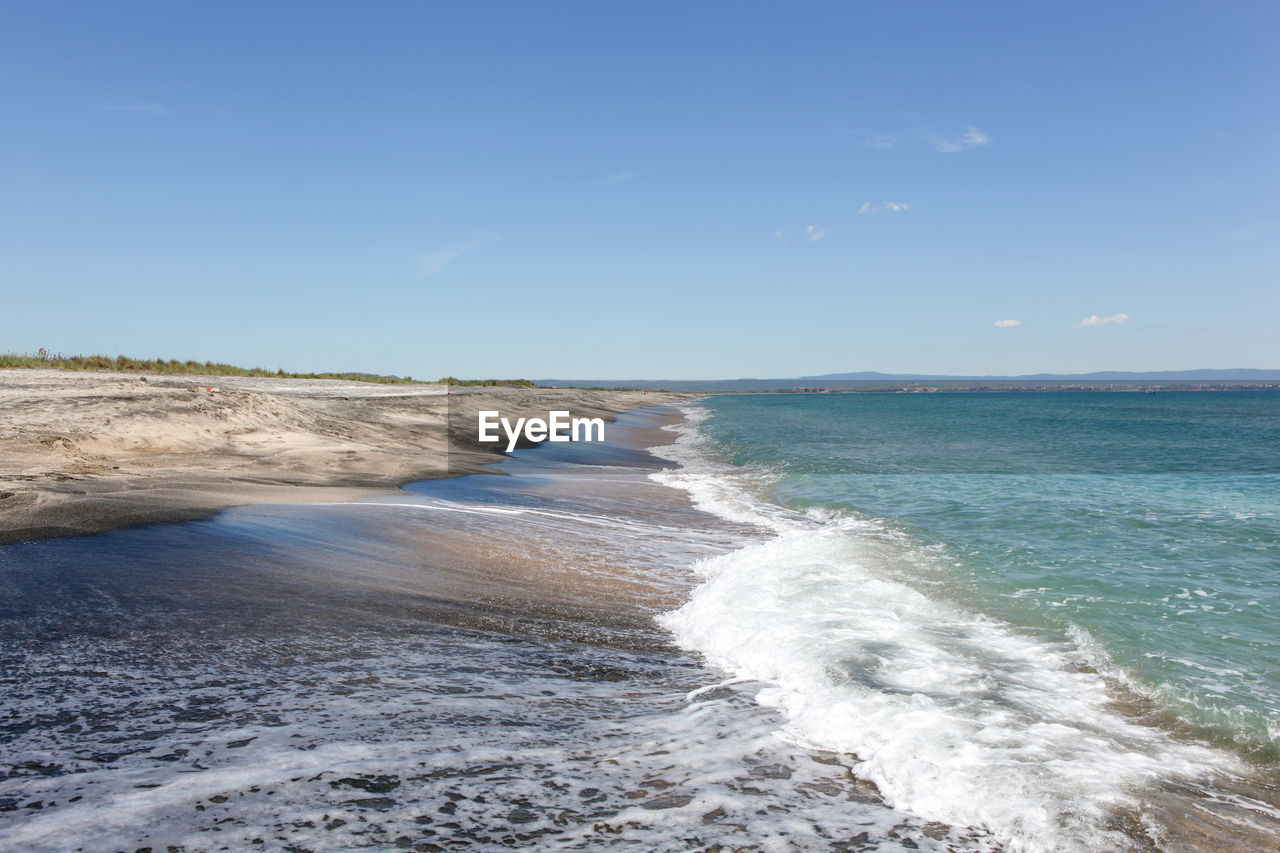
<point>58,361</point>
<point>46,359</point>
<point>489,383</point>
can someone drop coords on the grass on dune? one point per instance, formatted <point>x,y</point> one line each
<point>121,364</point>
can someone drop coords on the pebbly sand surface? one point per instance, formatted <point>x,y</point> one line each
<point>469,663</point>
<point>84,452</point>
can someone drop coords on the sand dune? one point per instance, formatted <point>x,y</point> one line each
<point>83,452</point>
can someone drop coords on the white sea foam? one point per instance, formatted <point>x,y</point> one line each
<point>954,716</point>
<point>361,726</point>
<point>463,741</point>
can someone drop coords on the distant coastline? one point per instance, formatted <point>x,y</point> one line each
<point>923,385</point>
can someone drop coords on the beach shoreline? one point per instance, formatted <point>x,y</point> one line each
<point>561,574</point>
<point>481,652</point>
<point>87,452</point>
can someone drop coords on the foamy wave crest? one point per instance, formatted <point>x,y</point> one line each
<point>954,716</point>
<point>715,486</point>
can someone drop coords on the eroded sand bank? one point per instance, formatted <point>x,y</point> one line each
<point>86,452</point>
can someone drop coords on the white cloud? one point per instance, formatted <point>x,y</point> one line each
<point>619,178</point>
<point>814,233</point>
<point>152,109</point>
<point>1008,324</point>
<point>434,261</point>
<point>778,235</point>
<point>1095,320</point>
<point>891,206</point>
<point>971,138</point>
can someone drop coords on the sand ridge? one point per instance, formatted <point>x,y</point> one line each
<point>82,452</point>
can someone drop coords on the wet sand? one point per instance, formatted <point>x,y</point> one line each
<point>471,663</point>
<point>468,661</point>
<point>83,452</point>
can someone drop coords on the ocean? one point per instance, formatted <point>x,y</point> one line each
<point>951,622</point>
<point>1023,611</point>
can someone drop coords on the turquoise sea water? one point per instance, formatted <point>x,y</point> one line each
<point>1052,616</point>
<point>1143,528</point>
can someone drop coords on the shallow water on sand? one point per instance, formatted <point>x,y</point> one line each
<point>472,664</point>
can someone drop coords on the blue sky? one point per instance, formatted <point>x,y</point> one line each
<point>646,189</point>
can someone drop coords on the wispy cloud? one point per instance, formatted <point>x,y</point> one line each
<point>619,178</point>
<point>869,207</point>
<point>1008,324</point>
<point>1095,320</point>
<point>148,107</point>
<point>812,233</point>
<point>434,261</point>
<point>971,138</point>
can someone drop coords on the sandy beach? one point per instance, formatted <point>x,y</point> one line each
<point>472,662</point>
<point>83,452</point>
<point>490,662</point>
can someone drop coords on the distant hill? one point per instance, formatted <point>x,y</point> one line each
<point>1237,374</point>
<point>869,380</point>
